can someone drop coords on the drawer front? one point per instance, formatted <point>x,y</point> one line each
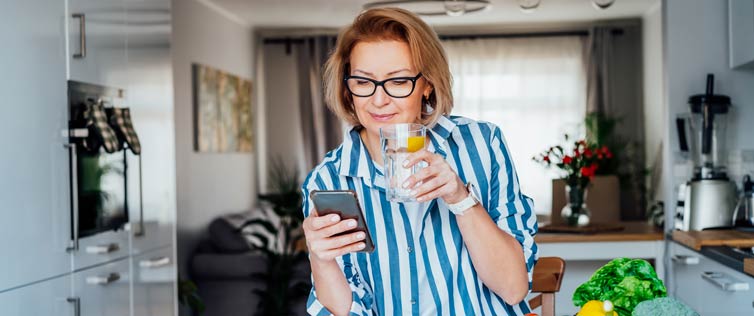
<point>154,275</point>
<point>710,287</point>
<point>101,248</point>
<point>104,290</point>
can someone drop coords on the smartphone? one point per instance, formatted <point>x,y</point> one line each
<point>345,204</point>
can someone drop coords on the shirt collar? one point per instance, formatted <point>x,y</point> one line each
<point>355,160</point>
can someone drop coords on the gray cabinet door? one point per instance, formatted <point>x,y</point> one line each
<point>97,42</point>
<point>150,97</point>
<point>104,290</point>
<point>154,275</point>
<point>689,285</point>
<point>35,212</point>
<point>741,32</point>
<point>51,297</point>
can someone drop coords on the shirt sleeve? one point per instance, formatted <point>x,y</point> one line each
<point>512,211</point>
<point>361,295</point>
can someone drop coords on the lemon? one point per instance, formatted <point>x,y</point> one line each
<point>415,143</point>
<point>596,308</point>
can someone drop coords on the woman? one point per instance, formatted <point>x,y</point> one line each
<point>431,258</point>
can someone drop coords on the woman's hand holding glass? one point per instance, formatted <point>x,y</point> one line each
<point>322,237</point>
<point>437,180</point>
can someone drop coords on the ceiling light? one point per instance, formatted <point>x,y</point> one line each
<point>528,6</point>
<point>602,4</point>
<point>434,7</point>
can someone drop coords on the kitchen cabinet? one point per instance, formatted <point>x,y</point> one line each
<point>35,212</point>
<point>154,275</point>
<point>97,42</point>
<point>104,290</point>
<point>50,297</point>
<point>689,283</point>
<point>741,33</point>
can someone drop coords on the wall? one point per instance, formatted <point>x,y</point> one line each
<point>696,39</point>
<point>208,185</point>
<point>654,115</point>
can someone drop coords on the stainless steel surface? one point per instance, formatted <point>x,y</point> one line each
<point>708,203</point>
<point>725,282</point>
<point>155,263</point>
<point>102,249</point>
<point>82,35</point>
<point>103,279</point>
<point>685,260</point>
<point>74,244</point>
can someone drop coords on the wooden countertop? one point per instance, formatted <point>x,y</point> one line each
<point>634,231</point>
<point>698,239</point>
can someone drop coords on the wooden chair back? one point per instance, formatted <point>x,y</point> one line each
<point>546,280</point>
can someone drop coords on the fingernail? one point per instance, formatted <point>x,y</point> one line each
<point>421,199</point>
<point>360,236</point>
<point>405,163</point>
<point>334,218</point>
<point>413,192</point>
<point>405,184</point>
<point>351,223</point>
<point>361,246</point>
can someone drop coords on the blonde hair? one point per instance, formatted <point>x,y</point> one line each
<point>427,56</point>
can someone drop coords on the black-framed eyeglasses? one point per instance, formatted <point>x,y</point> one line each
<point>398,87</point>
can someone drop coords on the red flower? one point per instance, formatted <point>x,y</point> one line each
<point>567,160</point>
<point>589,171</point>
<point>546,158</point>
<point>576,153</point>
<point>588,153</point>
<point>605,150</point>
<point>599,156</point>
<point>609,155</point>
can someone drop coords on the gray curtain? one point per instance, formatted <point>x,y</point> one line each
<point>321,129</point>
<point>614,89</point>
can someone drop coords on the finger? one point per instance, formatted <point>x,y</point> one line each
<point>342,226</point>
<point>436,193</point>
<point>420,176</point>
<point>342,241</point>
<point>320,222</point>
<point>334,253</point>
<point>414,158</point>
<point>430,185</point>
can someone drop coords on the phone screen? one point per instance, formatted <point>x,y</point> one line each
<point>344,204</point>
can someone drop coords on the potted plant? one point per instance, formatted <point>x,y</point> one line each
<point>578,164</point>
<point>285,255</point>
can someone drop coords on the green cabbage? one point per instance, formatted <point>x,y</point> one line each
<point>625,282</point>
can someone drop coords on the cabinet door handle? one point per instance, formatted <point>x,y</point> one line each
<point>74,242</point>
<point>102,249</point>
<point>154,263</point>
<point>141,231</point>
<point>76,305</point>
<point>725,282</point>
<point>103,280</point>
<point>82,35</point>
<point>686,260</point>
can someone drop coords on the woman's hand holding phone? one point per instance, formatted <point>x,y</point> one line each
<point>325,240</point>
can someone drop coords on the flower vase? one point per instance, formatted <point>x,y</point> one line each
<point>575,213</point>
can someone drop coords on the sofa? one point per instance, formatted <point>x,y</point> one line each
<point>230,273</point>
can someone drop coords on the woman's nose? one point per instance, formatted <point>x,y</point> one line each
<point>380,97</point>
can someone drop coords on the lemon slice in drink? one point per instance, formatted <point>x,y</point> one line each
<point>415,143</point>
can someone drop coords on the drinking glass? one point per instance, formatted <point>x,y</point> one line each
<point>398,141</point>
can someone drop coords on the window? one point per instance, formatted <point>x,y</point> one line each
<point>533,88</point>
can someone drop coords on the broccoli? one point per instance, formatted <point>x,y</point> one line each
<point>666,306</point>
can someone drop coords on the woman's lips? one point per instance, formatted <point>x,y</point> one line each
<point>381,117</point>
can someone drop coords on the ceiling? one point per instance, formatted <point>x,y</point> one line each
<point>337,13</point>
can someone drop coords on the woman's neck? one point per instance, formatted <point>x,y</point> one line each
<point>372,144</point>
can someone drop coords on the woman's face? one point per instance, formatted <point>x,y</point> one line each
<point>379,61</point>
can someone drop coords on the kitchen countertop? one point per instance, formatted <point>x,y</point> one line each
<point>634,231</point>
<point>722,250</point>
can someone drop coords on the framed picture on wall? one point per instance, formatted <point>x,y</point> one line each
<point>222,111</point>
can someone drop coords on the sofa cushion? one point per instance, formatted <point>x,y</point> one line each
<point>220,266</point>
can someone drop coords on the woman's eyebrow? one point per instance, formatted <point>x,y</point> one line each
<point>389,73</point>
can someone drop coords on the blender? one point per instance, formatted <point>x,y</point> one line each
<point>709,197</point>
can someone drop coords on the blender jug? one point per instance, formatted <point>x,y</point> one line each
<point>702,133</point>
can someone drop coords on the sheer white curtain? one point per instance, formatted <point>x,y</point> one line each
<point>533,88</point>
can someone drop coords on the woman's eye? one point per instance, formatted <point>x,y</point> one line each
<point>399,82</point>
<point>362,82</point>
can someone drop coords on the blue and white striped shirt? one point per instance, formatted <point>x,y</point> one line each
<point>420,265</point>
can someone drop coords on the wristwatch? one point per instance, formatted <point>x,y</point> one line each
<point>464,205</point>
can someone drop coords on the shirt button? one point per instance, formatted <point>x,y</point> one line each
<point>409,249</point>
<point>413,302</point>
